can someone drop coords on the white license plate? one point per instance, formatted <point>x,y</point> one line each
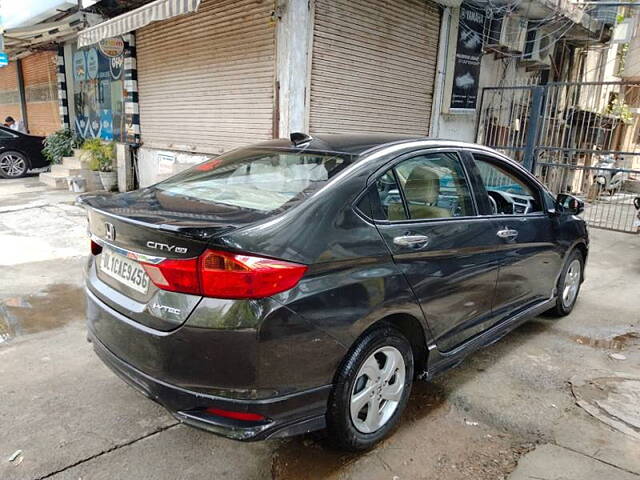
<point>126,271</point>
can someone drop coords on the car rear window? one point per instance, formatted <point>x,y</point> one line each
<point>262,180</point>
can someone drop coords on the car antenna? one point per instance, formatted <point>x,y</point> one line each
<point>299,138</point>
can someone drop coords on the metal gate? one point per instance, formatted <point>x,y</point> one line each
<point>578,138</point>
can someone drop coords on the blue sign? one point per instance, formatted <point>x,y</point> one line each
<point>4,59</point>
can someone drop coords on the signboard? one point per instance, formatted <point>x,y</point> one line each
<point>112,47</point>
<point>92,64</point>
<point>466,67</point>
<point>4,59</point>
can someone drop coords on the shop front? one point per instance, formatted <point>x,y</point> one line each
<point>9,92</point>
<point>96,89</point>
<point>39,74</point>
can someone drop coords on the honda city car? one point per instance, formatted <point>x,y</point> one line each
<point>305,283</point>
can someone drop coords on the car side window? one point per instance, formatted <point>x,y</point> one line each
<point>4,134</point>
<point>386,200</point>
<point>435,186</point>
<point>508,195</point>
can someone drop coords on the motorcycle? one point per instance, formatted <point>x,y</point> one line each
<point>608,178</point>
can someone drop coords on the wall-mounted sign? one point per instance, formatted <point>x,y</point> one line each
<point>92,63</point>
<point>79,66</point>
<point>112,47</point>
<point>165,164</point>
<point>4,59</point>
<point>115,67</point>
<point>466,67</point>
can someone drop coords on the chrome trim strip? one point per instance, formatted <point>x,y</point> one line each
<point>141,257</point>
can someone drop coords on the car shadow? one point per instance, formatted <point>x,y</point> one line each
<point>313,455</point>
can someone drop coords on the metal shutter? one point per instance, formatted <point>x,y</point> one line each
<point>9,95</point>
<point>206,81</point>
<point>373,66</point>
<point>41,92</point>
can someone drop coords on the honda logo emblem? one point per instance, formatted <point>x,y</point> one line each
<point>109,231</point>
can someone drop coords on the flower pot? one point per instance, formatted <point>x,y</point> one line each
<point>109,180</point>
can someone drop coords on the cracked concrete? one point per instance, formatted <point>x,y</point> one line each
<point>78,465</point>
<point>72,418</point>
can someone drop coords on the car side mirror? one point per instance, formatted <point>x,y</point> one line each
<point>568,204</point>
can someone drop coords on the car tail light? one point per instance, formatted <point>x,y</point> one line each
<point>226,275</point>
<point>96,249</point>
<point>175,275</point>
<point>246,416</point>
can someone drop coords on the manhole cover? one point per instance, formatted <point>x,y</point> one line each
<point>614,400</point>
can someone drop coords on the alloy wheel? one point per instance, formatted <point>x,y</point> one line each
<point>378,389</point>
<point>571,283</point>
<point>12,165</point>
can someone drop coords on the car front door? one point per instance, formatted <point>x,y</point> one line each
<point>424,208</point>
<point>531,257</point>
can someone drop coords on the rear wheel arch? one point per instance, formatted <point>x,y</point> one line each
<point>411,328</point>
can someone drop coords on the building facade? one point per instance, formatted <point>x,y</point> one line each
<point>197,78</point>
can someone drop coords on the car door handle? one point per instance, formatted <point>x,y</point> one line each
<point>415,241</point>
<point>507,233</point>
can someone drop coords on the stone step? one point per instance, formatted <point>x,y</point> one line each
<point>92,178</point>
<point>64,171</point>
<point>54,181</point>
<point>76,162</point>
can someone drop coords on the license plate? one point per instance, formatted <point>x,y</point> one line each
<point>126,271</point>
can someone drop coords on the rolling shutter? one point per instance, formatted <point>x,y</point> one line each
<point>9,95</point>
<point>41,92</point>
<point>373,66</point>
<point>206,80</point>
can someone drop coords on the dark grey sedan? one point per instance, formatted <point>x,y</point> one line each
<point>301,284</point>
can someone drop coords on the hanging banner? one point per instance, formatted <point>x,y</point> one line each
<point>466,71</point>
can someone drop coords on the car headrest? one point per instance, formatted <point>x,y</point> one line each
<point>423,185</point>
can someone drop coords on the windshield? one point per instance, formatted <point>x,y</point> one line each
<point>263,180</point>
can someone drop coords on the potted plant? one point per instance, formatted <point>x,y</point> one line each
<point>102,155</point>
<point>60,144</point>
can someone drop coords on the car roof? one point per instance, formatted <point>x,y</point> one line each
<point>7,129</point>
<point>358,143</point>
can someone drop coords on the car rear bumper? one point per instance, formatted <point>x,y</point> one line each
<point>188,370</point>
<point>285,415</point>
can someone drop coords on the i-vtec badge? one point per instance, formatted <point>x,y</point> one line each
<point>165,247</point>
<point>164,308</point>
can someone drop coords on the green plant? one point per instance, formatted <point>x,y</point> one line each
<point>101,154</point>
<point>60,144</point>
<point>620,110</point>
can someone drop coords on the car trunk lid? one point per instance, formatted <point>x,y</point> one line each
<point>130,230</point>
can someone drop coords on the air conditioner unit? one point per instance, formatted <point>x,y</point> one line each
<point>538,48</point>
<point>507,33</point>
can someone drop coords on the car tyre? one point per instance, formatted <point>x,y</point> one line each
<point>371,389</point>
<point>13,165</point>
<point>569,284</point>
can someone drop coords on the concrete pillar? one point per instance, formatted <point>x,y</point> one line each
<point>294,31</point>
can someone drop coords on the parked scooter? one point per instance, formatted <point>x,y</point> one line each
<point>609,179</point>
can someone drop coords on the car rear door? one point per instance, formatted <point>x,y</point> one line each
<point>531,257</point>
<point>424,208</point>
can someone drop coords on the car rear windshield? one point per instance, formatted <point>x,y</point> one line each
<point>262,180</point>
